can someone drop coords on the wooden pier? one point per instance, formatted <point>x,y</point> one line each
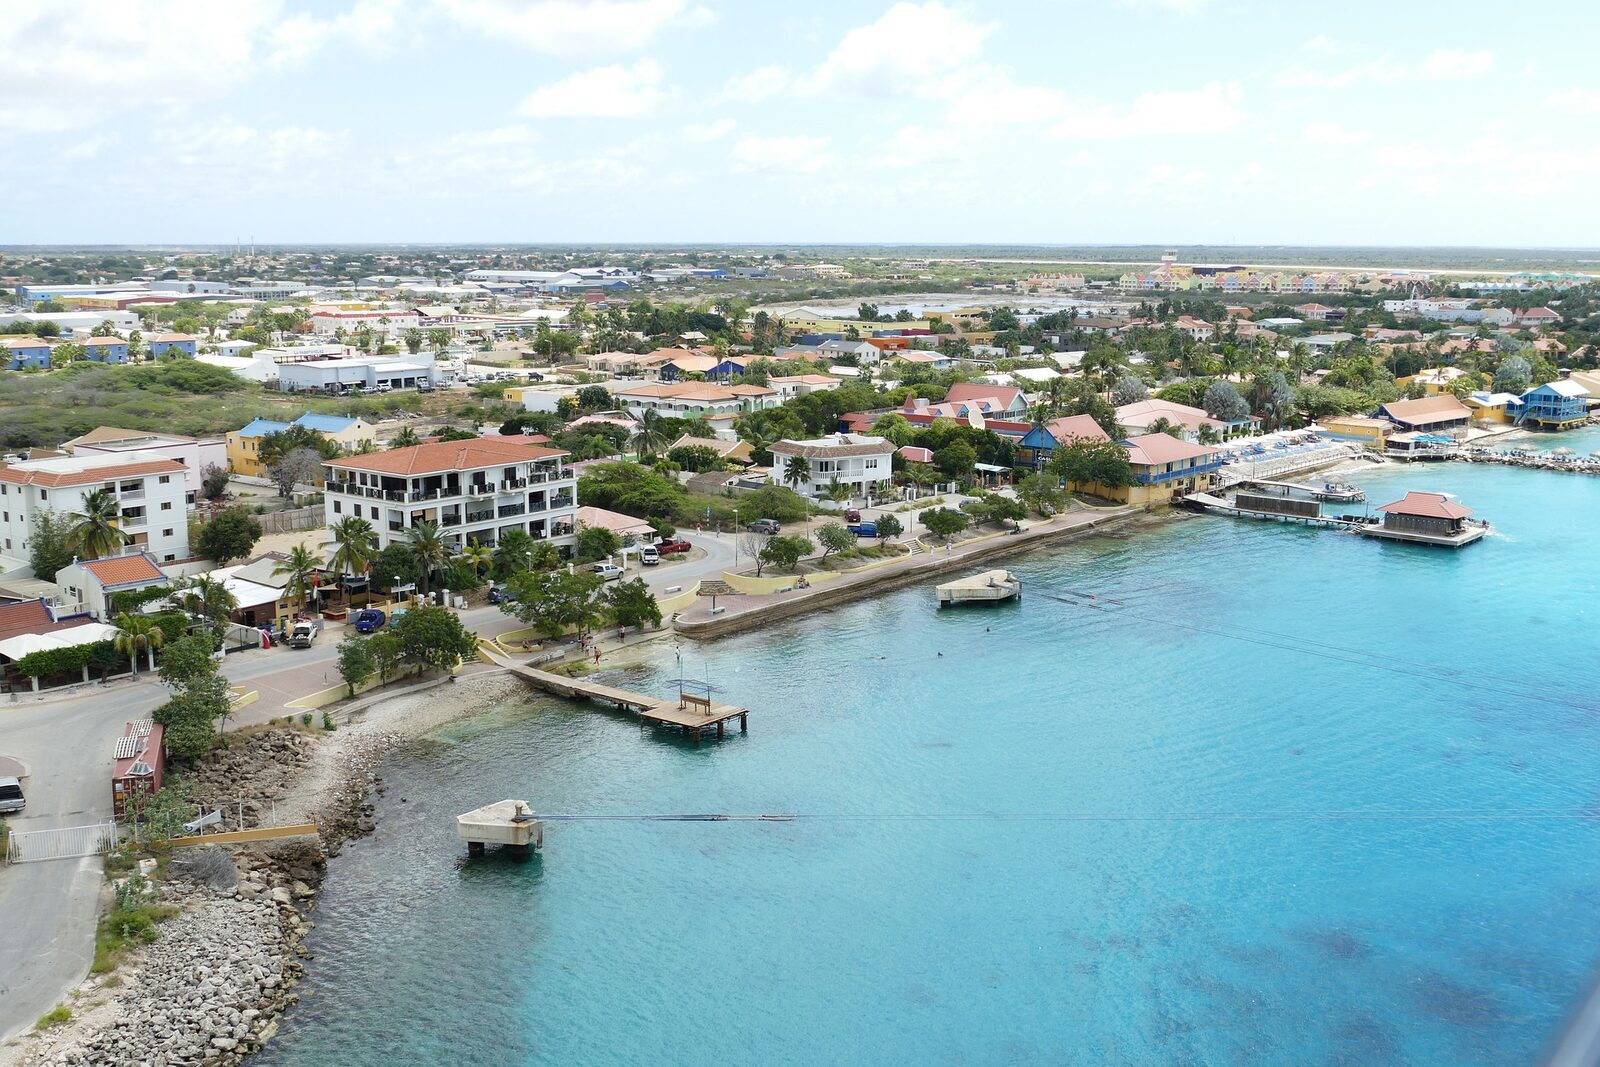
<point>693,713</point>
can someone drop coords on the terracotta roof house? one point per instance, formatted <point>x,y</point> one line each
<point>91,584</point>
<point>1040,442</point>
<point>1142,414</point>
<point>1436,414</point>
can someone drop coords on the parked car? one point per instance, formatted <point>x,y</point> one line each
<point>608,571</point>
<point>852,515</point>
<point>649,556</point>
<point>764,526</point>
<point>863,529</point>
<point>305,632</point>
<point>668,545</point>
<point>500,593</point>
<point>369,620</point>
<point>11,798</point>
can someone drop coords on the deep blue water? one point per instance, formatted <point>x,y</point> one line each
<point>1300,798</point>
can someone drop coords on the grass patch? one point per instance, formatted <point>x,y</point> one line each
<point>130,923</point>
<point>59,1015</point>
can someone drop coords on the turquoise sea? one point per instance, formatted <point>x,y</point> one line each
<point>1277,796</point>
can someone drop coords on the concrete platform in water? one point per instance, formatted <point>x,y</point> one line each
<point>989,587</point>
<point>508,823</point>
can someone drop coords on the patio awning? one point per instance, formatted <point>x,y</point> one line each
<point>14,648</point>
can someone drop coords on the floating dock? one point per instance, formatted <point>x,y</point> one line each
<point>989,587</point>
<point>694,713</point>
<point>508,823</point>
<point>1418,518</point>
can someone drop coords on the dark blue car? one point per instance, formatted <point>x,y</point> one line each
<point>369,620</point>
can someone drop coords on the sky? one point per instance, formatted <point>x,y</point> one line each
<point>677,121</point>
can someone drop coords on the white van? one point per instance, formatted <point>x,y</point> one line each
<point>11,799</point>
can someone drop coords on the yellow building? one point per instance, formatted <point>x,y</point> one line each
<point>1434,380</point>
<point>244,445</point>
<point>1369,432</point>
<point>1491,407</point>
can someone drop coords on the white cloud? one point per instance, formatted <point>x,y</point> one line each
<point>1333,134</point>
<point>568,27</point>
<point>701,132</point>
<point>784,154</point>
<point>1575,101</point>
<point>614,92</point>
<point>885,57</point>
<point>1213,108</point>
<point>760,84</point>
<point>1444,64</point>
<point>1180,7</point>
<point>370,25</point>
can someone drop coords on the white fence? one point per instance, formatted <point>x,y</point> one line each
<point>70,842</point>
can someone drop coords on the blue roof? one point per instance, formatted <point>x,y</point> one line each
<point>325,423</point>
<point>262,427</point>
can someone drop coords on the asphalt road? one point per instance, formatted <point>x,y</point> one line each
<point>48,909</point>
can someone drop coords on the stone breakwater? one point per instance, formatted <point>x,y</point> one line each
<point>209,990</point>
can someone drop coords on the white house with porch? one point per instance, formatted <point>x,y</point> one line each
<point>861,463</point>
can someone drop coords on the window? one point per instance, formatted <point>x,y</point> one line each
<point>165,479</point>
<point>338,508</point>
<point>166,505</point>
<point>166,533</point>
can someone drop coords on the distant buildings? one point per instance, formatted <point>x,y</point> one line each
<point>243,447</point>
<point>195,454</point>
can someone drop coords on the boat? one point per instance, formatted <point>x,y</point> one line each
<point>1341,492</point>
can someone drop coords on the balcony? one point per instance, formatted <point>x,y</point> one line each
<point>510,511</point>
<point>480,516</point>
<point>512,484</point>
<point>131,494</point>
<point>565,500</point>
<point>480,490</point>
<point>450,520</point>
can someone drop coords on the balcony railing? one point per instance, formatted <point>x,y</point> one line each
<point>450,520</point>
<point>480,490</point>
<point>512,484</point>
<point>480,516</point>
<point>131,494</point>
<point>510,510</point>
<point>563,501</point>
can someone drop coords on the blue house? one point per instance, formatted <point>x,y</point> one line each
<point>1553,406</point>
<point>1040,443</point>
<point>172,344</point>
<point>25,353</point>
<point>105,349</point>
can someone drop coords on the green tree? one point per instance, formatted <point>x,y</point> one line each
<point>185,660</point>
<point>594,398</point>
<point>386,654</point>
<point>427,548</point>
<point>596,542</point>
<point>228,535</point>
<point>299,569</point>
<point>137,634</point>
<point>796,472</point>
<point>888,526</point>
<point>395,566</point>
<point>554,601</point>
<point>1097,463</point>
<point>413,338</point>
<point>354,543</point>
<point>476,557</point>
<point>49,547</point>
<point>1223,402</point>
<point>648,436</point>
<point>406,438</point>
<point>356,662</point>
<point>957,460</point>
<point>209,599</point>
<point>96,531</point>
<point>630,604</point>
<point>784,552</point>
<point>190,719</point>
<point>833,537</point>
<point>944,523</point>
<point>696,458</point>
<point>433,638</point>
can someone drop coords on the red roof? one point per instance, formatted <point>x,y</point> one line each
<point>916,454</point>
<point>107,473</point>
<point>1155,449</point>
<point>1071,428</point>
<point>1003,395</point>
<point>33,617</point>
<point>445,456</point>
<point>1427,505</point>
<point>124,570</point>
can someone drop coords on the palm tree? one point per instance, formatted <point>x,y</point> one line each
<point>300,568</point>
<point>96,530</point>
<point>478,556</point>
<point>649,436</point>
<point>836,490</point>
<point>796,472</point>
<point>208,598</point>
<point>404,439</point>
<point>355,544</point>
<point>513,554</point>
<point>920,475</point>
<point>427,547</point>
<point>136,634</point>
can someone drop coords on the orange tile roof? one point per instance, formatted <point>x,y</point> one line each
<point>1155,449</point>
<point>442,456</point>
<point>108,473</point>
<point>98,341</point>
<point>124,570</point>
<point>1426,505</point>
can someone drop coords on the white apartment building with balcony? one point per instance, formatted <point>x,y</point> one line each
<point>473,490</point>
<point>864,464</point>
<point>151,490</point>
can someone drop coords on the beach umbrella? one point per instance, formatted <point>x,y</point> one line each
<point>1596,454</point>
<point>1563,451</point>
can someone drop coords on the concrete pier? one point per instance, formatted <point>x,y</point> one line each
<point>508,823</point>
<point>989,587</point>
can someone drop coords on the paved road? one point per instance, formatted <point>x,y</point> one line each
<point>49,908</point>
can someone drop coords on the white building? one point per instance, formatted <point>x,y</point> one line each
<point>390,322</point>
<point>151,490</point>
<point>860,462</point>
<point>72,322</point>
<point>86,587</point>
<point>359,372</point>
<point>476,489</point>
<point>195,454</point>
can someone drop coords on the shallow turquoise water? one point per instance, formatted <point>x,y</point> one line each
<point>1300,798</point>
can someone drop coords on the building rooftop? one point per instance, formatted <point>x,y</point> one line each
<point>834,445</point>
<point>86,470</point>
<point>114,571</point>
<point>1156,449</point>
<point>1426,505</point>
<point>440,456</point>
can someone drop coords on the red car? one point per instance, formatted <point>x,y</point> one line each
<point>852,515</point>
<point>669,545</point>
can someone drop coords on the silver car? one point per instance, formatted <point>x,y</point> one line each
<point>11,799</point>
